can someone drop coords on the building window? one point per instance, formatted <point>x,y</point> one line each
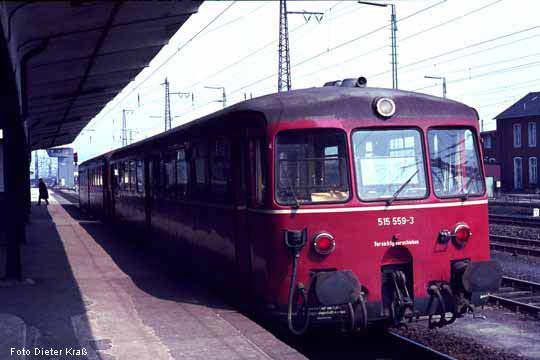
<point>487,142</point>
<point>517,135</point>
<point>533,171</point>
<point>518,173</point>
<point>531,134</point>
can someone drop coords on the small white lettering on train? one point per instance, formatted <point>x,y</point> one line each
<point>395,243</point>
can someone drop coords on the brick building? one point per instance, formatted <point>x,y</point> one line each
<point>489,140</point>
<point>515,145</point>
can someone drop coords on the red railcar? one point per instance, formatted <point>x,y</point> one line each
<point>337,204</point>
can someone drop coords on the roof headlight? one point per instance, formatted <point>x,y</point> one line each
<point>385,107</point>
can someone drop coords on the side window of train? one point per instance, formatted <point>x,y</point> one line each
<point>140,176</point>
<point>114,176</point>
<point>200,158</point>
<point>182,173</point>
<point>126,176</point>
<point>220,167</point>
<point>168,175</point>
<point>258,170</point>
<point>170,170</point>
<point>154,176</point>
<point>132,176</point>
<point>120,167</point>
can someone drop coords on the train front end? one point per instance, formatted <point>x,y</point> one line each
<point>377,217</point>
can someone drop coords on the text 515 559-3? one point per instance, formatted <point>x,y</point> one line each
<point>396,220</point>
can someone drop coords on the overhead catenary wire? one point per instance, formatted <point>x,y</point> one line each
<point>257,51</point>
<point>346,43</point>
<point>491,91</point>
<point>453,51</point>
<point>320,54</point>
<point>489,73</point>
<point>479,66</point>
<point>169,58</point>
<point>461,56</point>
<point>411,68</point>
<point>401,40</point>
<point>338,3</point>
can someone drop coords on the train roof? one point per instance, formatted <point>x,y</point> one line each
<point>328,102</point>
<point>350,103</point>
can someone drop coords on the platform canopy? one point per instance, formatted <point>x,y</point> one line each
<point>71,58</point>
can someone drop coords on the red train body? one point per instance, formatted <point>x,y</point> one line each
<point>333,204</point>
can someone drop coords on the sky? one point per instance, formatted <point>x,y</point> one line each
<point>487,50</point>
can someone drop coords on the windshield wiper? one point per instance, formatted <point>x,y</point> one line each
<point>296,203</point>
<point>464,192</point>
<point>398,191</point>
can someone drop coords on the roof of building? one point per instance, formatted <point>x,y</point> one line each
<point>527,106</point>
<point>78,55</point>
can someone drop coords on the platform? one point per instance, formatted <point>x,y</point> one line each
<point>91,294</point>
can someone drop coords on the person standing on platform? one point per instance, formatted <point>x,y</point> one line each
<point>43,192</point>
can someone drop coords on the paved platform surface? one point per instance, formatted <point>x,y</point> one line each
<point>96,297</point>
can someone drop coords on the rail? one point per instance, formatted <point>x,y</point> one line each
<point>517,198</point>
<point>514,220</point>
<point>418,350</point>
<point>71,196</point>
<point>515,245</point>
<point>519,295</point>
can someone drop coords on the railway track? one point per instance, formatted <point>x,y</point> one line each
<point>417,350</point>
<point>377,344</point>
<point>514,220</point>
<point>70,196</point>
<point>515,245</point>
<point>518,295</point>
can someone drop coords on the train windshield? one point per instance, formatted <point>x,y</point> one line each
<point>389,164</point>
<point>311,167</point>
<point>455,165</point>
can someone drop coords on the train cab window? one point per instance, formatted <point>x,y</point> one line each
<point>389,164</point>
<point>220,166</point>
<point>140,176</point>
<point>311,167</point>
<point>455,165</point>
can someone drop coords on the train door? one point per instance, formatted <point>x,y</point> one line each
<point>152,203</point>
<point>240,183</point>
<point>255,188</point>
<point>114,176</point>
<point>148,194</point>
<point>87,187</point>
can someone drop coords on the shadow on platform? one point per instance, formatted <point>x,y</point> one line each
<point>43,306</point>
